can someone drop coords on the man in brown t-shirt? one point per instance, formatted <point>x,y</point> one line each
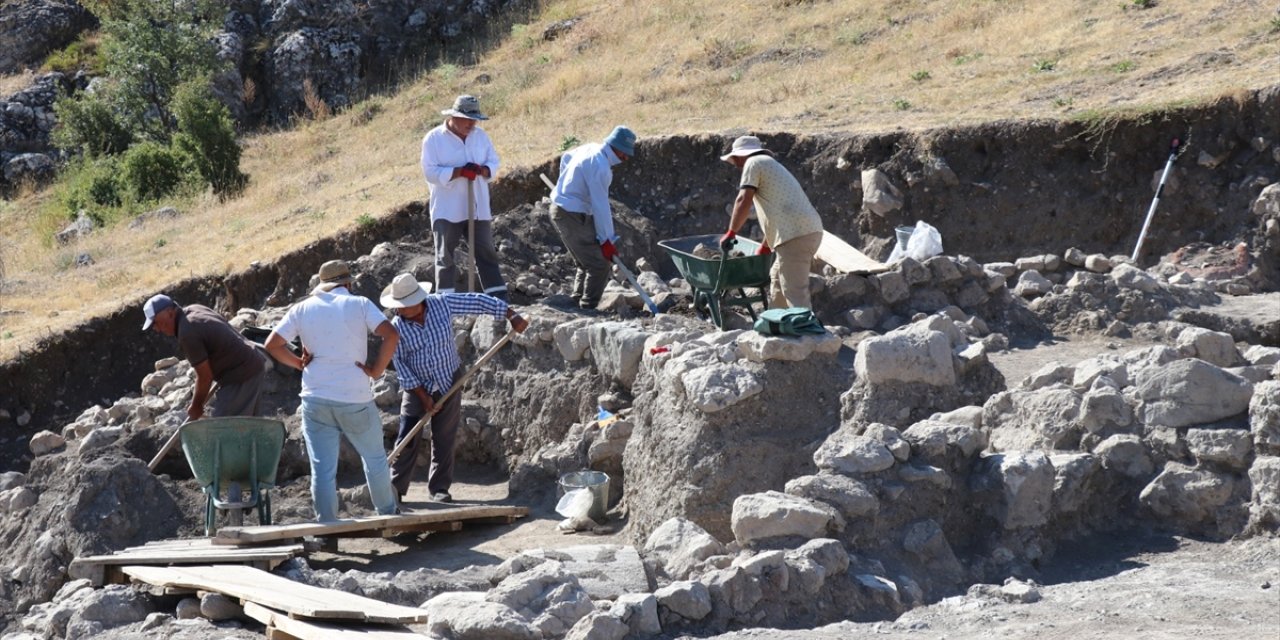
<point>216,351</point>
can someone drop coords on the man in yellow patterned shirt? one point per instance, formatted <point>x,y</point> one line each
<point>792,228</point>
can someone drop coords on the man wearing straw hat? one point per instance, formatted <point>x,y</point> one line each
<point>458,161</point>
<point>336,399</point>
<point>581,213</point>
<point>792,228</point>
<point>427,364</point>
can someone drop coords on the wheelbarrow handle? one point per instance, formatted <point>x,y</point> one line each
<point>168,446</point>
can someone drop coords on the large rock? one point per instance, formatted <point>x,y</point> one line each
<point>688,600</point>
<point>679,546</point>
<point>466,615</point>
<point>1044,419</point>
<point>879,195</point>
<point>547,594</point>
<point>1190,392</point>
<point>1103,408</point>
<point>1186,496</point>
<point>1264,417</point>
<point>719,386</point>
<point>758,347</point>
<point>853,499</point>
<point>640,612</point>
<point>600,625</point>
<point>616,348</point>
<point>1264,505</point>
<point>926,541</point>
<point>1231,448</point>
<point>31,29</point>
<point>947,446</point>
<point>1073,482</point>
<point>573,338</point>
<point>1214,347</point>
<point>604,571</point>
<point>844,452</point>
<point>761,517</point>
<point>906,356</point>
<point>1125,454</point>
<point>1024,484</point>
<point>107,608</point>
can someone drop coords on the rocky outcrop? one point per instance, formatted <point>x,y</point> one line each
<point>30,29</point>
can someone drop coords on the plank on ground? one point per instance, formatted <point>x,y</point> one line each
<point>844,257</point>
<point>94,568</point>
<point>304,630</point>
<point>272,591</point>
<point>264,533</point>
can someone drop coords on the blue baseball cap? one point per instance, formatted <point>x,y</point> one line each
<point>154,305</point>
<point>622,139</point>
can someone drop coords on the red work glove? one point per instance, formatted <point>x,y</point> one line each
<point>764,249</point>
<point>468,171</point>
<point>728,240</point>
<point>608,250</point>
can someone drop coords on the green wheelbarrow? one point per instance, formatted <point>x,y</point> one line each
<point>229,457</point>
<point>721,282</point>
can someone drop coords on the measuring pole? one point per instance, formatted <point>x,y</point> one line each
<point>1168,166</point>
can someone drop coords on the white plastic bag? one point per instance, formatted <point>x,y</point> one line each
<point>575,503</point>
<point>925,243</point>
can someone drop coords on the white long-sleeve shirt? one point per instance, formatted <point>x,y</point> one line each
<point>442,152</point>
<point>585,175</point>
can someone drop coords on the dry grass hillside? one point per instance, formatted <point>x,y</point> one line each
<point>663,67</point>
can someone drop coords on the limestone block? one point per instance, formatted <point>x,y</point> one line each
<point>1214,347</point>
<point>689,600</point>
<point>828,553</point>
<point>768,566</point>
<point>616,348</point>
<point>943,270</point>
<point>1098,263</point>
<point>572,339</point>
<point>1032,285</point>
<point>11,479</point>
<point>1185,495</point>
<point>893,286</point>
<point>1264,504</point>
<point>927,542</point>
<point>972,294</point>
<point>1264,417</point>
<point>465,615</point>
<point>1025,480</point>
<point>1259,355</point>
<point>600,625</point>
<point>187,609</point>
<point>1074,257</point>
<point>864,317</point>
<point>1140,362</point>
<point>758,347</point>
<point>1030,263</point>
<point>1047,418</point>
<point>111,606</point>
<point>1190,392</point>
<point>922,473</point>
<point>679,546</point>
<point>1228,447</point>
<point>1104,408</point>
<point>45,441</point>
<point>879,194</point>
<point>844,452</point>
<point>1006,269</point>
<point>732,590</point>
<point>853,499</point>
<point>1127,276</point>
<point>1089,370</point>
<point>717,387</point>
<point>891,439</point>
<point>934,442</point>
<point>217,607</point>
<point>99,438</point>
<point>1074,475</point>
<point>758,517</point>
<point>970,416</point>
<point>1125,454</point>
<point>906,356</point>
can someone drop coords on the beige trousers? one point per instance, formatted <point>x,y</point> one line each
<point>789,277</point>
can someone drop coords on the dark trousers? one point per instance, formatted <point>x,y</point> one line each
<point>578,232</point>
<point>447,236</point>
<point>443,438</point>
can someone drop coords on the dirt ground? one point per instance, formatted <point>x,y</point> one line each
<point>1124,586</point>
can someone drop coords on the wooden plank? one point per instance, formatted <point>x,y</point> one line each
<point>264,533</point>
<point>304,630</point>
<point>844,257</point>
<point>91,567</point>
<point>272,591</point>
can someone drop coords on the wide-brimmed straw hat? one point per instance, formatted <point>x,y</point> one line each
<point>404,291</point>
<point>466,107</point>
<point>745,146</point>
<point>333,274</point>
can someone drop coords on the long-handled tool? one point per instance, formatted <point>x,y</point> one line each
<point>1168,165</point>
<point>471,234</point>
<point>173,439</point>
<point>413,433</point>
<point>648,302</point>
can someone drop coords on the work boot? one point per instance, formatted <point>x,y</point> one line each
<point>441,496</point>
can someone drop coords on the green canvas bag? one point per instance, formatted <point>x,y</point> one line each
<point>792,321</point>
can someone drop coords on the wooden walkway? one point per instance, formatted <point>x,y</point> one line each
<point>294,599</point>
<point>281,627</point>
<point>105,569</point>
<point>444,518</point>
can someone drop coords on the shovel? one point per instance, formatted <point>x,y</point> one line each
<point>1146,224</point>
<point>648,302</point>
<point>173,439</point>
<point>417,428</point>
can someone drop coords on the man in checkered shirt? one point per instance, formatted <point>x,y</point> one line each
<point>427,364</point>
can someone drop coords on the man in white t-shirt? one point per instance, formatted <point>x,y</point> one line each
<point>336,399</point>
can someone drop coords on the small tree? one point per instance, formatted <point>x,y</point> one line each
<point>88,125</point>
<point>207,137</point>
<point>152,171</point>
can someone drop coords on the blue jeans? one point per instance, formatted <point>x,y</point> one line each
<point>322,422</point>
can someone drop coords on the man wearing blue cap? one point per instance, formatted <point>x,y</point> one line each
<point>580,210</point>
<point>216,351</point>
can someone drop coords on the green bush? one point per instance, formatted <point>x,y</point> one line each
<point>207,137</point>
<point>92,185</point>
<point>151,171</point>
<point>88,125</point>
<point>79,55</point>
